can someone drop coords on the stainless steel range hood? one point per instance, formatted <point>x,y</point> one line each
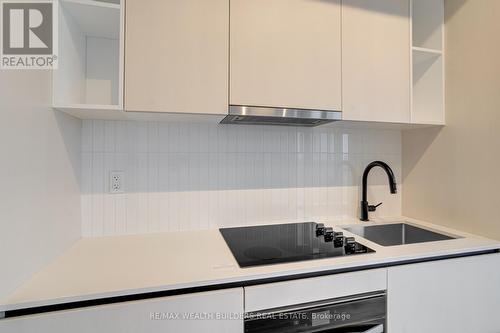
<point>257,115</point>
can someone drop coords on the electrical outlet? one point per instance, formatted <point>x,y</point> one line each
<point>117,182</point>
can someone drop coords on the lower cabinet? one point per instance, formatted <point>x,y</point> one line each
<point>456,295</point>
<point>216,311</point>
<point>317,289</point>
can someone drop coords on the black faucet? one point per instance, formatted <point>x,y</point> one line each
<point>365,207</point>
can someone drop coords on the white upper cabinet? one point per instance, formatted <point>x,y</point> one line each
<point>90,72</point>
<point>428,62</point>
<point>286,53</point>
<point>177,56</point>
<point>376,60</point>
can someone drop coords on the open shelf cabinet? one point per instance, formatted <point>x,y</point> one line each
<point>90,69</point>
<point>427,20</point>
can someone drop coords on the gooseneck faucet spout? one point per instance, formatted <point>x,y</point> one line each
<point>365,206</point>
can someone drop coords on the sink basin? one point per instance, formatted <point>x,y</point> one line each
<point>396,234</point>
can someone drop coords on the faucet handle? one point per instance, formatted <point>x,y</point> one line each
<point>372,208</point>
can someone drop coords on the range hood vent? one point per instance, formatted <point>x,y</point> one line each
<point>252,115</point>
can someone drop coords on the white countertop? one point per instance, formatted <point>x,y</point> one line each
<point>126,265</point>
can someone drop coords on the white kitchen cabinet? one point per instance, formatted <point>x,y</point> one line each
<point>197,313</point>
<point>177,56</point>
<point>286,53</point>
<point>428,62</point>
<point>458,295</point>
<point>281,294</point>
<point>90,60</point>
<point>376,60</point>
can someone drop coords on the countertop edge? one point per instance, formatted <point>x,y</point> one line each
<point>81,301</point>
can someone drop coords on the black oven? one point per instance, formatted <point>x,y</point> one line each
<point>361,313</point>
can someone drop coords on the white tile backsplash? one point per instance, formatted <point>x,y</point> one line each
<point>188,176</point>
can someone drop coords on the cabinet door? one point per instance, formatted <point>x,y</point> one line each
<point>196,313</point>
<point>287,293</point>
<point>459,296</point>
<point>376,60</point>
<point>176,56</point>
<point>286,53</point>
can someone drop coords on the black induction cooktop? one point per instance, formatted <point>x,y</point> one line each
<point>280,243</point>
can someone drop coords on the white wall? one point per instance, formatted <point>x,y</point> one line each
<point>185,176</point>
<point>451,175</point>
<point>39,177</point>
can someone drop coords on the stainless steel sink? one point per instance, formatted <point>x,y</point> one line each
<point>396,234</point>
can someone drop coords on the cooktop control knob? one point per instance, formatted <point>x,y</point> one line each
<point>350,245</point>
<point>339,239</point>
<point>320,229</point>
<point>329,234</point>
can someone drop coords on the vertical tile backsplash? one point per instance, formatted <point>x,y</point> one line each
<point>186,176</point>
